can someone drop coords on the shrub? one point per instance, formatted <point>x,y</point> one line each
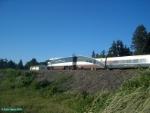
<point>44,83</point>
<point>16,78</point>
<point>35,84</point>
<point>143,80</point>
<point>54,89</point>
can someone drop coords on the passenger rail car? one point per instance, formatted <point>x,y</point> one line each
<point>83,62</point>
<point>127,62</point>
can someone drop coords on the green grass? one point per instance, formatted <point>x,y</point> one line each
<point>20,89</point>
<point>39,101</point>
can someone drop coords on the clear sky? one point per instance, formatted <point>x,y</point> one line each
<point>43,29</point>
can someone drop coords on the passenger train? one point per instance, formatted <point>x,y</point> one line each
<point>83,62</point>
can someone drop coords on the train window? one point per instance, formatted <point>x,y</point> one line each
<point>85,59</point>
<point>80,58</point>
<point>68,59</point>
<point>90,61</point>
<point>121,61</point>
<point>53,62</point>
<point>60,61</point>
<point>109,62</point>
<point>135,61</point>
<point>115,62</point>
<point>94,61</point>
<point>128,61</point>
<point>142,60</point>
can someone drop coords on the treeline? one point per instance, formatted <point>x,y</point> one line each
<point>5,64</point>
<point>140,45</point>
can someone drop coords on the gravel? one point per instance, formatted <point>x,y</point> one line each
<point>89,80</point>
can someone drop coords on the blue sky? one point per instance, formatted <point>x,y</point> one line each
<point>43,29</point>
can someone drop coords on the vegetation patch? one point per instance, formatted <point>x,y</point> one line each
<point>20,89</point>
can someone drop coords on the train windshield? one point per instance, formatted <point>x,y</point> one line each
<point>49,63</point>
<point>90,60</point>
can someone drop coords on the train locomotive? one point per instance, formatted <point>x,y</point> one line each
<point>86,63</point>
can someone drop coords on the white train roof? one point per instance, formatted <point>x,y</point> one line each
<point>68,57</point>
<point>125,57</point>
<point>111,58</point>
<point>53,58</point>
<point>58,58</point>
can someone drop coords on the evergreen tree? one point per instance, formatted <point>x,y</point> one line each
<point>20,65</point>
<point>93,54</point>
<point>27,65</point>
<point>11,64</point>
<point>127,51</point>
<point>138,40</point>
<point>44,63</point>
<point>113,50</point>
<point>5,63</point>
<point>102,54</point>
<point>147,46</point>
<point>15,65</point>
<point>33,62</point>
<point>1,63</point>
<point>118,49</point>
<point>97,55</point>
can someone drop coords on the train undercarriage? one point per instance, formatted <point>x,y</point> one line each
<point>75,68</point>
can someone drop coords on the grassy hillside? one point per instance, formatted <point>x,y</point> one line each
<point>21,89</point>
<point>132,97</point>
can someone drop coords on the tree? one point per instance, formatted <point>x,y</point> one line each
<point>122,49</point>
<point>1,63</point>
<point>5,63</point>
<point>127,51</point>
<point>34,62</point>
<point>27,65</point>
<point>118,49</point>
<point>44,63</point>
<point>93,54</point>
<point>139,39</point>
<point>11,64</point>
<point>113,50</point>
<point>20,65</point>
<point>147,46</point>
<point>97,55</point>
<point>102,54</point>
<point>31,63</point>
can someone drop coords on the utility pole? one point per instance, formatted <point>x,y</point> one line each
<point>106,62</point>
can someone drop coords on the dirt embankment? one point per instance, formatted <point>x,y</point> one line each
<point>87,80</point>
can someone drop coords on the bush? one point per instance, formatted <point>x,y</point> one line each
<point>84,94</point>
<point>16,78</point>
<point>44,83</point>
<point>54,89</point>
<point>143,80</point>
<point>35,84</point>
